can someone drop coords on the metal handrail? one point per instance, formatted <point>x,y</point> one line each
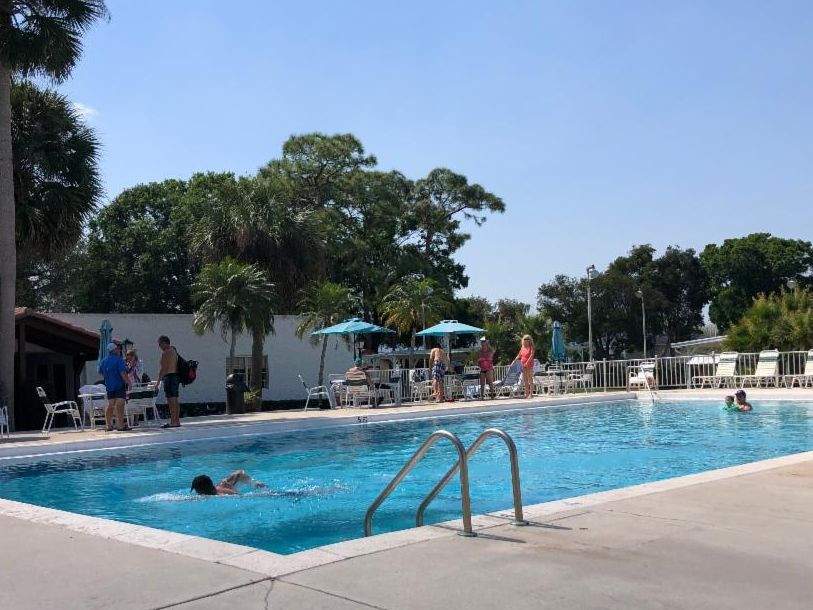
<point>515,485</point>
<point>416,457</point>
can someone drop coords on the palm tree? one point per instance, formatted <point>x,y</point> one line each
<point>37,38</point>
<point>56,177</point>
<point>325,304</point>
<point>250,220</point>
<point>415,301</point>
<point>238,297</point>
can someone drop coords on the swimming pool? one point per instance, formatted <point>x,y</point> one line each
<point>320,482</point>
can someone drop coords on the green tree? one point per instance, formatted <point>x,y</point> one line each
<point>56,185</point>
<point>314,167</point>
<point>414,302</point>
<point>236,297</point>
<point>37,38</point>
<point>136,258</point>
<point>440,202</point>
<point>741,268</point>
<point>475,311</point>
<point>323,305</point>
<point>781,321</point>
<point>674,288</point>
<point>252,221</point>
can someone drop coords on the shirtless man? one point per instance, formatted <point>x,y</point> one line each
<point>204,486</point>
<point>168,374</point>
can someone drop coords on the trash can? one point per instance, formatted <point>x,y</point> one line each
<point>235,389</point>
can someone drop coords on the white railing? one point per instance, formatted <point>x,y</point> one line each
<point>671,372</point>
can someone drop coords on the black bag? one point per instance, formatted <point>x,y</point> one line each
<point>187,370</point>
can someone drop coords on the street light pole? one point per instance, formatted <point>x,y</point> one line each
<point>640,294</point>
<point>590,271</point>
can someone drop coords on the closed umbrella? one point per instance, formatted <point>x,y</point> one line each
<point>105,337</point>
<point>557,351</point>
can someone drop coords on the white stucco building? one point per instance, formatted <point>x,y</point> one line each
<point>286,354</point>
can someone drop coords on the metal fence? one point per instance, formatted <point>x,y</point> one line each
<point>671,372</point>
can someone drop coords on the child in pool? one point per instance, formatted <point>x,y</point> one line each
<point>205,487</point>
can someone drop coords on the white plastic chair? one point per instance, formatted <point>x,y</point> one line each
<point>319,392</point>
<point>52,409</point>
<point>642,376</point>
<point>94,403</point>
<point>141,399</point>
<point>359,390</point>
<point>470,381</point>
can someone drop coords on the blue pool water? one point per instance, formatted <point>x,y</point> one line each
<point>321,482</point>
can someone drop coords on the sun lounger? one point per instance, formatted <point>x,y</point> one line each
<point>511,384</point>
<point>805,379</point>
<point>724,376</point>
<point>767,371</point>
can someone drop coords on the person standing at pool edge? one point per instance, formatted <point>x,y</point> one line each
<point>114,371</point>
<point>168,373</point>
<point>485,360</point>
<point>526,359</point>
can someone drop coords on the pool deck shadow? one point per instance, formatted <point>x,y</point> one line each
<point>743,542</point>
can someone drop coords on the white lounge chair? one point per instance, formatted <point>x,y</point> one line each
<point>767,370</point>
<point>544,382</point>
<point>724,376</point>
<point>511,384</point>
<point>642,377</point>
<point>805,379</point>
<point>140,399</point>
<point>68,407</point>
<point>421,390</point>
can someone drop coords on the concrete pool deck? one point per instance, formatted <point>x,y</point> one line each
<point>744,541</point>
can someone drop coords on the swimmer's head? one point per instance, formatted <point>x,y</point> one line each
<point>740,394</point>
<point>203,485</point>
<point>729,400</point>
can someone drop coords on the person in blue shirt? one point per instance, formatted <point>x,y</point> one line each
<point>114,371</point>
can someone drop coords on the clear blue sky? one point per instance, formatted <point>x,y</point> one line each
<point>601,124</point>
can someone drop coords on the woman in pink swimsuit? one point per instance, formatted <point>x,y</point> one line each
<point>526,358</point>
<point>485,360</point>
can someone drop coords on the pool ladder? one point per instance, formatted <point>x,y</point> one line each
<point>463,467</point>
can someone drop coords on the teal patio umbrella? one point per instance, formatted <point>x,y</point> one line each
<point>353,327</point>
<point>557,348</point>
<point>105,337</point>
<point>448,328</point>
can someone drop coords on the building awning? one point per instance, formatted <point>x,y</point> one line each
<point>54,334</point>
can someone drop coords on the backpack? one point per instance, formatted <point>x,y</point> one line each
<point>187,370</point>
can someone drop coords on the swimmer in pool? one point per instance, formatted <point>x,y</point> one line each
<point>205,487</point>
<point>742,403</point>
<point>729,404</point>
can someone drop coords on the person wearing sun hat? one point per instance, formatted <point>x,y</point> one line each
<point>114,371</point>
